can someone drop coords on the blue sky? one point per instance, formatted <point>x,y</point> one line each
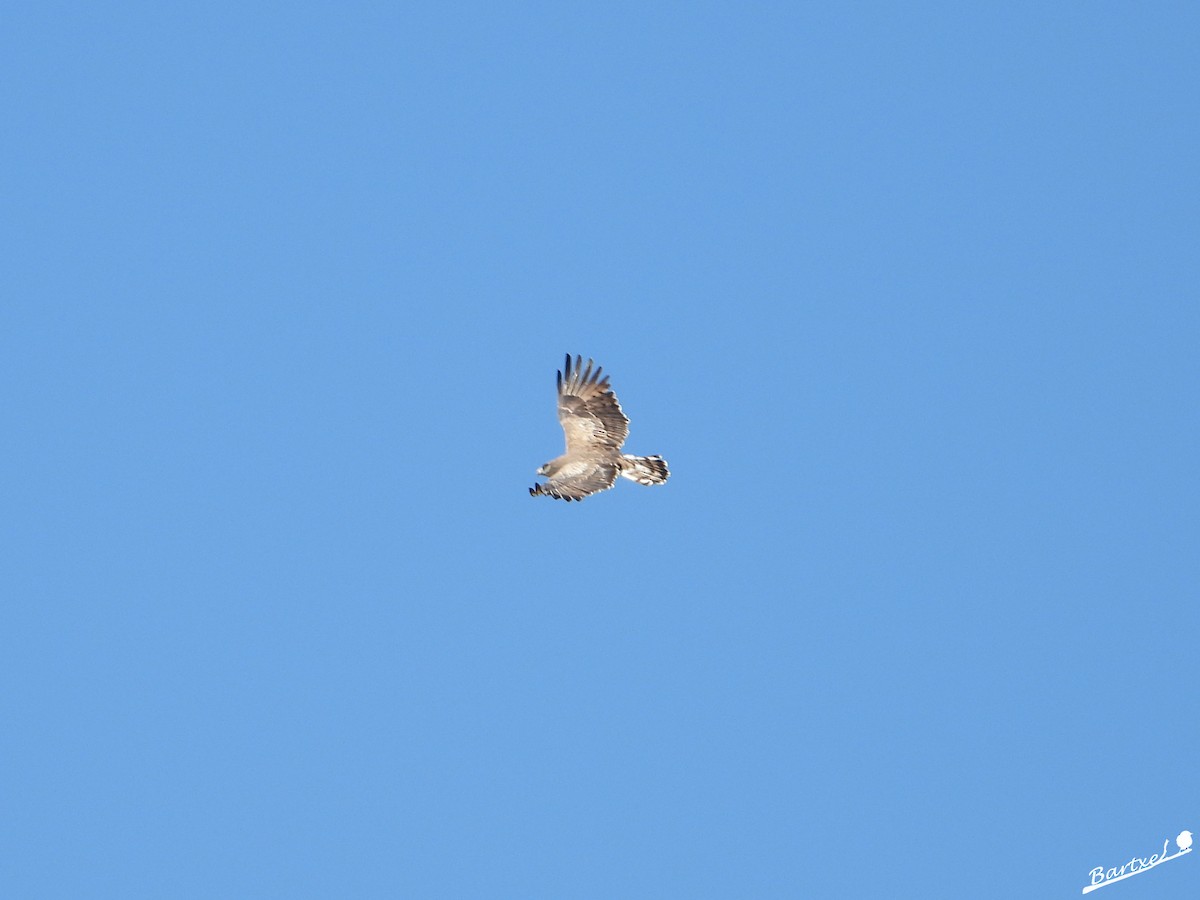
<point>906,294</point>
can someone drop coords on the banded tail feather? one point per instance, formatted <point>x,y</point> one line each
<point>645,469</point>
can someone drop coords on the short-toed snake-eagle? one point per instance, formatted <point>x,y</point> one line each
<point>595,428</point>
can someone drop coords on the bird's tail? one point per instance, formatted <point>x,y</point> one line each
<point>645,469</point>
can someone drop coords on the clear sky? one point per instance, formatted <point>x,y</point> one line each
<point>906,294</point>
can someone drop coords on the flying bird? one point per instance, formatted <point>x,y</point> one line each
<point>595,428</point>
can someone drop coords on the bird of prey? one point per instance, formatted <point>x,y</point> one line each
<point>595,428</point>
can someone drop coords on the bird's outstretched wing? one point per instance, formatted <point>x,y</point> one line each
<point>578,480</point>
<point>589,413</point>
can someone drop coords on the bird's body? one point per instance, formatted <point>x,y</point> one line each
<point>595,428</point>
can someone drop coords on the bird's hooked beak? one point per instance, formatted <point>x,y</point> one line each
<point>541,470</point>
